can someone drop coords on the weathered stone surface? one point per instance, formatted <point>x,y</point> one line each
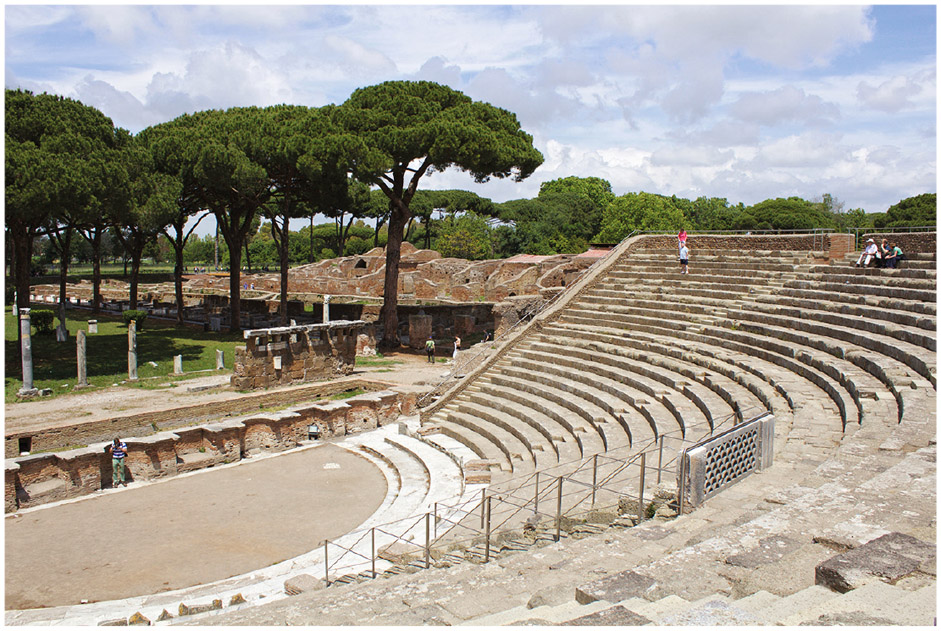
<point>614,588</point>
<point>302,583</point>
<point>617,616</point>
<point>164,615</point>
<point>117,622</point>
<point>711,614</point>
<point>769,550</point>
<point>238,599</point>
<point>138,619</point>
<point>197,609</point>
<point>889,557</point>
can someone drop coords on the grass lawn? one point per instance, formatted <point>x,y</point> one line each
<point>54,363</point>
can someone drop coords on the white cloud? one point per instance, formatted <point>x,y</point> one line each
<point>892,95</point>
<point>788,104</point>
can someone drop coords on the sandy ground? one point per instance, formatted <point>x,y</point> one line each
<point>115,401</point>
<point>187,530</point>
<point>192,529</point>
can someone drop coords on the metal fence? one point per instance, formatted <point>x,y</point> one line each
<point>593,490</point>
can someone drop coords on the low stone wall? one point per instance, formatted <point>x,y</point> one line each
<point>149,423</point>
<point>910,242</point>
<point>296,354</point>
<point>50,477</point>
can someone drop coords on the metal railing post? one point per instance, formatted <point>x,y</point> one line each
<point>558,513</point>
<point>436,520</point>
<point>536,500</point>
<point>487,534</point>
<point>372,554</point>
<point>326,563</point>
<point>640,494</point>
<point>594,478</point>
<point>660,459</point>
<point>483,500</point>
<point>427,540</point>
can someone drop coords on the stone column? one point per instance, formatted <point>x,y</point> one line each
<point>220,360</point>
<point>26,350</point>
<point>62,332</point>
<point>132,350</point>
<point>81,357</point>
<point>326,308</point>
<point>177,364</point>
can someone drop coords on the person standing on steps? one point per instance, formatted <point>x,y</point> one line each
<point>684,259</point>
<point>430,349</point>
<point>681,237</point>
<point>457,347</point>
<point>118,451</point>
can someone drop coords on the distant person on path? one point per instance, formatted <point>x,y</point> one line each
<point>894,255</point>
<point>457,347</point>
<point>684,259</point>
<point>118,451</point>
<point>871,252</point>
<point>430,349</point>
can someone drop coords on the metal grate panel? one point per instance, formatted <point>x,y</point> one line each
<point>719,461</point>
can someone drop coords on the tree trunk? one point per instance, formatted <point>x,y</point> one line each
<point>178,279</point>
<point>310,255</point>
<point>65,248</point>
<point>135,277</point>
<point>96,271</point>
<point>235,290</point>
<point>284,262</point>
<point>390,294</point>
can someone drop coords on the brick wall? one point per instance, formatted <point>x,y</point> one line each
<point>910,242</point>
<point>50,477</point>
<point>296,354</point>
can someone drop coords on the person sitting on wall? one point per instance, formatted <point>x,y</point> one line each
<point>894,256</point>
<point>870,253</point>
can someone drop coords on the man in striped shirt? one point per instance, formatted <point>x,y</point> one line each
<point>118,451</point>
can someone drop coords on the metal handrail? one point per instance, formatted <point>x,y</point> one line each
<point>514,501</point>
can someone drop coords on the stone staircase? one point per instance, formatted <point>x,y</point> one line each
<point>845,360</point>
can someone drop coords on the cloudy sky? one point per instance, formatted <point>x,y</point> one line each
<point>741,102</point>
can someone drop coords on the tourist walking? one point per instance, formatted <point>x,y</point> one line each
<point>684,259</point>
<point>681,237</point>
<point>430,349</point>
<point>118,452</point>
<point>457,347</point>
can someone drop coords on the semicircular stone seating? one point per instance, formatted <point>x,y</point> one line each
<point>643,351</point>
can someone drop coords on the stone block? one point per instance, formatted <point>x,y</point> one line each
<point>138,619</point>
<point>617,616</point>
<point>197,609</point>
<point>302,583</point>
<point>615,588</point>
<point>889,557</point>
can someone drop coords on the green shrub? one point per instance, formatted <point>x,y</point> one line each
<point>42,320</point>
<point>135,314</point>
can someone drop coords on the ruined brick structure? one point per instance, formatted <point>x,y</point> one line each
<point>296,354</point>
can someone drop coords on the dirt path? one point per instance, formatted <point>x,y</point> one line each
<point>411,369</point>
<point>188,530</point>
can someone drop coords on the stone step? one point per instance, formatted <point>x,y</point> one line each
<point>565,432</point>
<point>876,603</point>
<point>583,420</point>
<point>486,422</point>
